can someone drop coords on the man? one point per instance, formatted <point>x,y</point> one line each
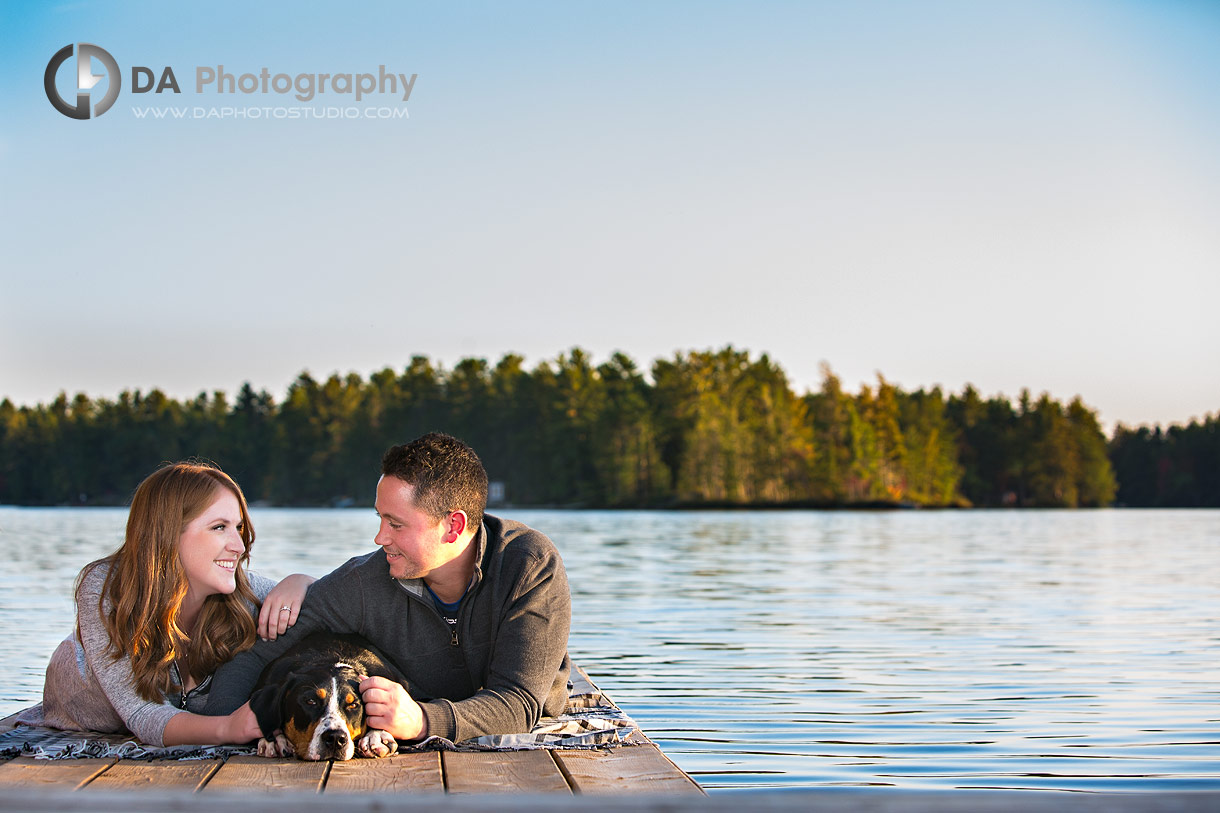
<point>473,609</point>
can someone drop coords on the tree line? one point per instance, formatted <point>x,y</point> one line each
<point>1178,467</point>
<point>704,428</point>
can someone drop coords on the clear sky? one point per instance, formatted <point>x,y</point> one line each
<point>1021,194</point>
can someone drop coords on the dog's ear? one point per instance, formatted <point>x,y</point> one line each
<point>266,704</point>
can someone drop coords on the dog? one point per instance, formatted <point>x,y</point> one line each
<point>307,701</point>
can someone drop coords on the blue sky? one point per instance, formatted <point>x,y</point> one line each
<point>1005,194</point>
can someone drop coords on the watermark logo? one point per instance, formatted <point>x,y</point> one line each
<point>86,79</point>
<point>264,86</point>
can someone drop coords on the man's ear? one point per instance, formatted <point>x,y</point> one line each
<point>457,526</point>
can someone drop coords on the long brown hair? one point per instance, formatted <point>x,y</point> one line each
<point>145,584</point>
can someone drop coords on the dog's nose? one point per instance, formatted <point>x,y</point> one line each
<point>334,738</point>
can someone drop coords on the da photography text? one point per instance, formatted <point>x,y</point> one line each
<point>208,79</point>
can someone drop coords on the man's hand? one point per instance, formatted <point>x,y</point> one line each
<point>388,706</point>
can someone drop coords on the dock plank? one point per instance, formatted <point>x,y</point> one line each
<point>264,775</point>
<point>418,773</point>
<point>160,773</point>
<point>633,769</point>
<point>581,684</point>
<point>47,773</point>
<point>9,722</point>
<point>502,772</point>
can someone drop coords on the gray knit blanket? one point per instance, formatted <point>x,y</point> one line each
<point>589,721</point>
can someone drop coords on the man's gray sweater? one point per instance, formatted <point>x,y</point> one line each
<point>503,667</point>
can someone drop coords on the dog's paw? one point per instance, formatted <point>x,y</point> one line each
<point>285,746</point>
<point>376,743</point>
<point>279,747</point>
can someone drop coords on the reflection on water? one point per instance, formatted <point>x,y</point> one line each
<point>1070,650</point>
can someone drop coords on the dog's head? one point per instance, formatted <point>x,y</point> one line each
<point>319,710</point>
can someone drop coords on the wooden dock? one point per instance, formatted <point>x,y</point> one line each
<point>625,779</point>
<point>639,768</point>
<point>634,769</point>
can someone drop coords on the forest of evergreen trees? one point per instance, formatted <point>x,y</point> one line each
<point>712,428</point>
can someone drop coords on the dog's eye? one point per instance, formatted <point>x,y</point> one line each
<point>311,701</point>
<point>353,705</point>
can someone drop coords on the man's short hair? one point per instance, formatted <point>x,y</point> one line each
<point>447,475</point>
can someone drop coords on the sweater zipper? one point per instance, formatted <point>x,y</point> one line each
<point>188,694</point>
<point>453,631</point>
<point>453,628</point>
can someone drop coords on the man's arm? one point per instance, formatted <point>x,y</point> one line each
<point>333,603</point>
<point>530,650</point>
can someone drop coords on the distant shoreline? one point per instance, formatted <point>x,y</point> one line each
<point>704,430</point>
<point>506,508</point>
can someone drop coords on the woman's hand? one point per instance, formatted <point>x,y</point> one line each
<point>241,726</point>
<point>282,606</point>
<point>238,728</point>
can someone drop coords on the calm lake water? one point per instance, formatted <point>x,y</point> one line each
<point>929,650</point>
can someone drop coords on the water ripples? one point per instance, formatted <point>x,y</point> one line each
<point>1056,650</point>
<point>925,650</point>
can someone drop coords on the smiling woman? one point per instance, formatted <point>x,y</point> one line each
<point>209,551</point>
<point>156,617</point>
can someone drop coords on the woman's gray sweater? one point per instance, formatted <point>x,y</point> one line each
<point>86,689</point>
